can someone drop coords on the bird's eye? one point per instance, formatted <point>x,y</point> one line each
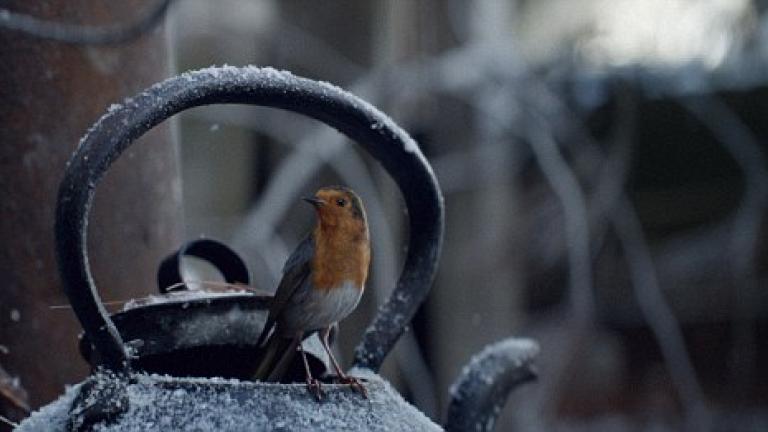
<point>341,202</point>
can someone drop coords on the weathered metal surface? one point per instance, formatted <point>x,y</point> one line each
<point>481,390</point>
<point>155,403</point>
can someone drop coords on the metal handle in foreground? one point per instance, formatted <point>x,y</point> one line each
<point>361,122</point>
<point>481,390</point>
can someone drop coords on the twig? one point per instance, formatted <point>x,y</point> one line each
<point>12,391</point>
<point>10,423</point>
<point>228,287</point>
<point>105,303</point>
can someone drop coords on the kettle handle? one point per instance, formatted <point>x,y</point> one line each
<point>361,122</point>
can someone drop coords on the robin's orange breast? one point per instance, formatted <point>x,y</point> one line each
<point>342,254</point>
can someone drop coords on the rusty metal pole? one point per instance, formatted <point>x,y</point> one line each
<point>50,93</point>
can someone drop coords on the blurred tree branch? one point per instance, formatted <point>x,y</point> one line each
<point>85,35</point>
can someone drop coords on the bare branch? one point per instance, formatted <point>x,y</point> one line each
<point>658,314</point>
<point>569,193</point>
<point>581,302</point>
<point>12,391</point>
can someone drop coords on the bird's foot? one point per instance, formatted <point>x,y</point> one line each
<point>314,387</point>
<point>356,384</point>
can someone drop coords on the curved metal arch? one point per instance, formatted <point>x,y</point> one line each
<point>481,390</point>
<point>357,119</point>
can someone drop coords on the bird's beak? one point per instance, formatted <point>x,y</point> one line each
<point>316,202</point>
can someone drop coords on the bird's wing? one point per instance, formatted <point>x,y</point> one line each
<point>302,255</point>
<point>296,270</point>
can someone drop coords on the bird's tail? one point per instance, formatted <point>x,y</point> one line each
<point>275,358</point>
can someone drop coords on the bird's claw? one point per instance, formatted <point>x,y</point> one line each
<point>356,384</point>
<point>314,387</point>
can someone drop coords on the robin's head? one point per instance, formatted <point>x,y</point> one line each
<point>338,205</point>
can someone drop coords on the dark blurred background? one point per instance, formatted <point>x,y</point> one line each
<point>603,164</point>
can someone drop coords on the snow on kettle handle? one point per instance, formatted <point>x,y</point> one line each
<point>357,119</point>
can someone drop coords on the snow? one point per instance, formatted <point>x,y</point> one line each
<point>493,360</point>
<point>52,417</point>
<point>181,297</point>
<point>481,389</point>
<point>159,403</point>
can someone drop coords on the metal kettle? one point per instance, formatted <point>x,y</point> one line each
<point>132,387</point>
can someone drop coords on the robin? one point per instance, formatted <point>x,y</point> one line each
<point>323,281</point>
